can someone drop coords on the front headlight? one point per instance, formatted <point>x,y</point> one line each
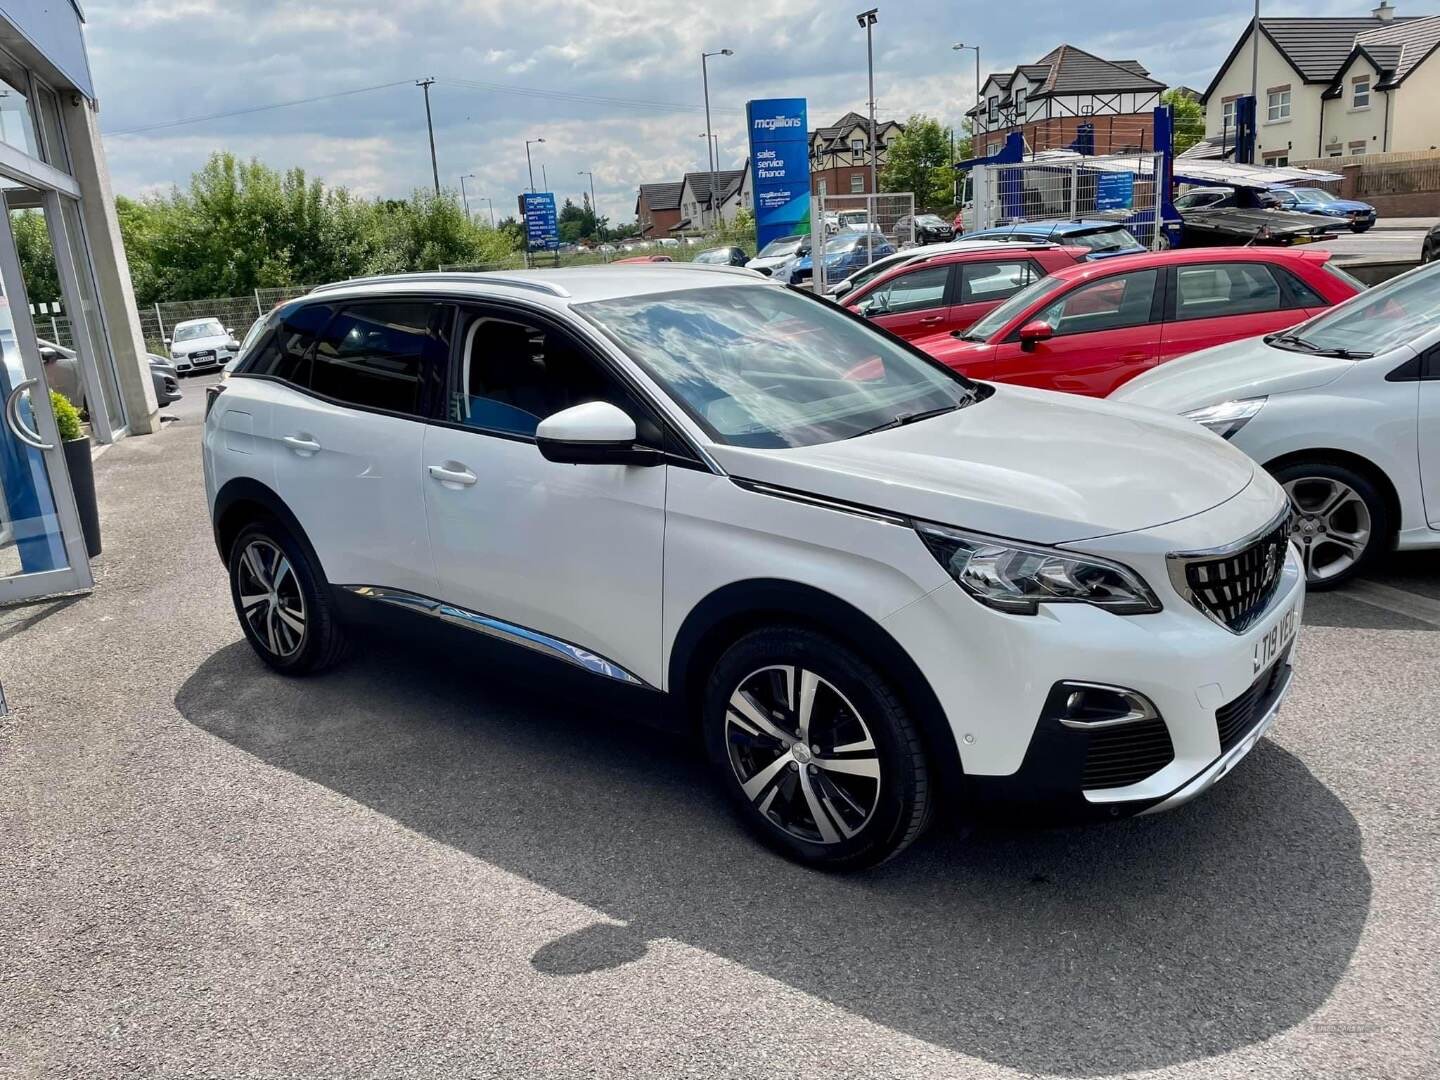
<point>1228,417</point>
<point>1018,578</point>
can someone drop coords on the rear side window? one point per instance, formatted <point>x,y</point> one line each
<point>991,282</point>
<point>384,356</point>
<point>285,342</point>
<point>1302,295</point>
<point>1220,290</point>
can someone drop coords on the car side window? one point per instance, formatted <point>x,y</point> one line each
<point>991,282</point>
<point>918,290</point>
<point>1301,294</point>
<point>1111,303</point>
<point>513,372</point>
<point>283,352</point>
<point>384,355</point>
<point>1219,290</point>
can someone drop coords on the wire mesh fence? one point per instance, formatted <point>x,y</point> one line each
<point>1115,187</point>
<point>881,224</point>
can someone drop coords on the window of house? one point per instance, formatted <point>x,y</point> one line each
<point>857,147</point>
<point>1278,104</point>
<point>1334,150</point>
<point>1020,102</point>
<point>383,356</point>
<point>1357,148</point>
<point>1361,98</point>
<point>1227,114</point>
<point>857,182</point>
<point>993,106</point>
<point>1277,157</point>
<point>823,187</point>
<point>1220,290</point>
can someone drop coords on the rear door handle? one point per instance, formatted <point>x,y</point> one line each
<point>301,444</point>
<point>453,475</point>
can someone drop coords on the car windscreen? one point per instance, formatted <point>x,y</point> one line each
<point>985,328</point>
<point>1315,195</point>
<point>786,245</point>
<point>1376,321</point>
<point>764,367</point>
<point>930,221</point>
<point>1116,238</point>
<point>199,330</point>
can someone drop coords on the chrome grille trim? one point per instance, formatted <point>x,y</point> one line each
<point>1233,585</point>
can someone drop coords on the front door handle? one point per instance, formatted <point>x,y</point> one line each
<point>453,475</point>
<point>931,320</point>
<point>302,444</point>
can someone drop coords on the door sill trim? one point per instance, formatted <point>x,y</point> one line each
<point>500,629</point>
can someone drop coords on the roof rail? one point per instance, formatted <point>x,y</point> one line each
<point>471,277</point>
<point>712,267</point>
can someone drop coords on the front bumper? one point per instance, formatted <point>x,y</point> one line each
<point>190,363</point>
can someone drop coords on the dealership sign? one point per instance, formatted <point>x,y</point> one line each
<point>1115,191</point>
<point>542,231</point>
<point>780,163</point>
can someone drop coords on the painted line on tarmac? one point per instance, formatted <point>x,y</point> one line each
<point>1395,601</point>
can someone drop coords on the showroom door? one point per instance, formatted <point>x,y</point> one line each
<point>42,549</point>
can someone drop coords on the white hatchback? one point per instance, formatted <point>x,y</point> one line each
<point>201,345</point>
<point>869,583</point>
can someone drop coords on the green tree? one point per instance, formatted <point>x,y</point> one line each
<point>1189,118</point>
<point>919,161</point>
<point>37,257</point>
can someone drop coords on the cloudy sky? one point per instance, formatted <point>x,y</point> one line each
<point>613,86</point>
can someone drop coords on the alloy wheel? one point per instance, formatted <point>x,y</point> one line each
<point>802,753</point>
<point>271,601</point>
<point>1331,526</point>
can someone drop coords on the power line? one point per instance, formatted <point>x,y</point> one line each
<point>255,109</point>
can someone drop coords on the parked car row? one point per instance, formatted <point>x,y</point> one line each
<point>869,583</point>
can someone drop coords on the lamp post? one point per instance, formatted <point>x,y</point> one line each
<point>867,20</point>
<point>464,198</point>
<point>709,137</point>
<point>594,212</point>
<point>491,203</point>
<point>529,166</point>
<point>714,141</point>
<point>959,46</point>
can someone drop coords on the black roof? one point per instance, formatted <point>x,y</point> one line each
<point>1068,70</point>
<point>725,179</point>
<point>661,196</point>
<point>1315,47</point>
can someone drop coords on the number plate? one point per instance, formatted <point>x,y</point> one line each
<point>1272,643</point>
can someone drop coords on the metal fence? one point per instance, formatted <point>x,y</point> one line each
<point>887,223</point>
<point>236,313</point>
<point>1120,187</point>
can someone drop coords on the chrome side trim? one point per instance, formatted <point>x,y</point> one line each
<point>822,502</point>
<point>500,629</point>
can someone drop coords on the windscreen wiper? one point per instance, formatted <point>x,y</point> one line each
<point>1292,339</point>
<point>910,418</point>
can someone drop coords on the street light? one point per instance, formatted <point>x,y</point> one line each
<point>463,197</point>
<point>709,145</point>
<point>491,203</point>
<point>867,20</point>
<point>714,141</point>
<point>959,46</point>
<point>528,166</point>
<point>593,211</point>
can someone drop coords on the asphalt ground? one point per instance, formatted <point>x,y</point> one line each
<point>427,864</point>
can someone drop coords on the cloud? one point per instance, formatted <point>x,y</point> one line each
<point>162,60</point>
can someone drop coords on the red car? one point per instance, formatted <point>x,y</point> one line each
<point>951,289</point>
<point>1093,326</point>
<point>645,259</point>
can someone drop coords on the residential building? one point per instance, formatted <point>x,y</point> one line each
<point>695,213</point>
<point>1332,87</point>
<point>657,208</point>
<point>52,164</point>
<point>840,154</point>
<point>1049,100</point>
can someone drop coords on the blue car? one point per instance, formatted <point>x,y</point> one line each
<point>1360,215</point>
<point>845,253</point>
<point>1102,238</point>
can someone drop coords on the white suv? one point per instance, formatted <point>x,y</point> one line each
<point>866,581</point>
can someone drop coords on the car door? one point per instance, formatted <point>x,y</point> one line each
<point>911,304</point>
<point>1105,332</point>
<point>1215,302</point>
<point>984,284</point>
<point>347,440</point>
<point>1429,434</point>
<point>564,558</point>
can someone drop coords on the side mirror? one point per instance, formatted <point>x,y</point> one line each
<point>49,353</point>
<point>841,288</point>
<point>596,433</point>
<point>229,331</point>
<point>876,307</point>
<point>1031,334</point>
<point>232,344</point>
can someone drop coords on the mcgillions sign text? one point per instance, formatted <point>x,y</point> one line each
<point>780,158</point>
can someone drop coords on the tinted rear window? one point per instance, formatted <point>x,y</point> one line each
<point>284,343</point>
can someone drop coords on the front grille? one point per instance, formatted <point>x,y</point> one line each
<point>1234,588</point>
<point>1234,720</point>
<point>1126,754</point>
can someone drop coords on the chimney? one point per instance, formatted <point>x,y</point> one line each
<point>1384,12</point>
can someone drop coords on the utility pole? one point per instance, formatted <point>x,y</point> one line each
<point>544,179</point>
<point>425,85</point>
<point>709,136</point>
<point>867,19</point>
<point>529,166</point>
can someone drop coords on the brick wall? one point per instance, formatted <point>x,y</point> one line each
<point>837,180</point>
<point>1113,134</point>
<point>662,221</point>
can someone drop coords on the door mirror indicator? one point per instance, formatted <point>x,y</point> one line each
<point>1031,334</point>
<point>595,433</point>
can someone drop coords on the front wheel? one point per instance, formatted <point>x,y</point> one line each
<point>1429,250</point>
<point>1341,520</point>
<point>816,752</point>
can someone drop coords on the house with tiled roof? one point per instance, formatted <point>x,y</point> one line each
<point>657,208</point>
<point>1332,87</point>
<point>1049,100</point>
<point>840,154</point>
<point>683,206</point>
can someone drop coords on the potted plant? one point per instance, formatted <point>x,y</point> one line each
<point>76,445</point>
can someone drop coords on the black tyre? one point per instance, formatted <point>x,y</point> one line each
<point>815,750</point>
<point>1341,520</point>
<point>283,601</point>
<point>1429,249</point>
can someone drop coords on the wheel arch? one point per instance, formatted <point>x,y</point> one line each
<point>1350,460</point>
<point>734,610</point>
<point>243,500</point>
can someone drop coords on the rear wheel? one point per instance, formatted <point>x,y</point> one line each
<point>1341,520</point>
<point>1430,249</point>
<point>815,750</point>
<point>283,601</point>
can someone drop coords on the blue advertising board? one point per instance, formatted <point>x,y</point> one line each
<point>542,231</point>
<point>1114,191</point>
<point>780,165</point>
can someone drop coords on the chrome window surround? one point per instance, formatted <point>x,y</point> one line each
<point>500,629</point>
<point>1178,561</point>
